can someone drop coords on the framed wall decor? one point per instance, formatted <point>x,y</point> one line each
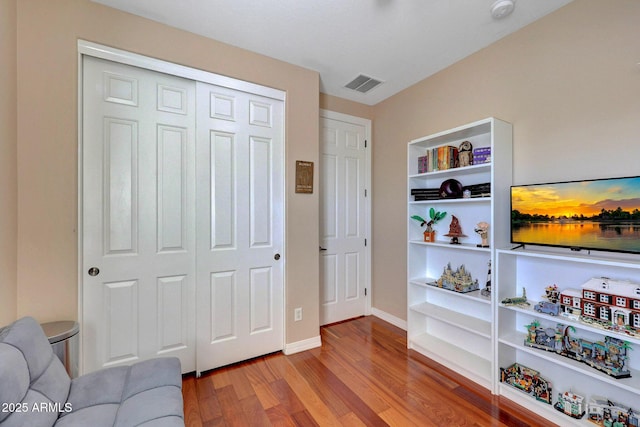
<point>304,177</point>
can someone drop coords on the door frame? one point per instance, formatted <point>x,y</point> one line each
<point>366,123</point>
<point>87,48</point>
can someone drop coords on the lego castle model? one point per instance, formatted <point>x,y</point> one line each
<point>459,280</point>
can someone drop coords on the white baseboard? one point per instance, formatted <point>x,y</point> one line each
<point>298,346</point>
<point>395,321</point>
<point>310,343</point>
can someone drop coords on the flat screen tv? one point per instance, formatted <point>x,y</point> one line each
<point>597,214</point>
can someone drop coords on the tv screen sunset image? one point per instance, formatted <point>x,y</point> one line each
<point>596,214</point>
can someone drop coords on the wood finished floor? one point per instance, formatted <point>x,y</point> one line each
<point>363,375</point>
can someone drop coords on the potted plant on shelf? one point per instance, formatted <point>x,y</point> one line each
<point>429,232</point>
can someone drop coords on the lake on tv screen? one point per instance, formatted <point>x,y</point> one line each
<point>617,236</point>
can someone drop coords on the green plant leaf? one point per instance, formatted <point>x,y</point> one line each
<point>432,213</point>
<point>418,218</point>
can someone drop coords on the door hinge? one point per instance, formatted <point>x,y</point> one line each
<point>365,242</point>
<point>365,292</point>
<point>365,192</point>
<point>365,143</point>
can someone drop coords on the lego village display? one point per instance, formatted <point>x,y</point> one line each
<point>527,380</point>
<point>482,228</point>
<point>429,232</point>
<point>612,305</point>
<point>603,412</point>
<point>608,356</point>
<point>550,303</point>
<point>570,301</point>
<point>455,230</point>
<point>551,293</point>
<point>570,404</point>
<point>519,301</point>
<point>457,281</point>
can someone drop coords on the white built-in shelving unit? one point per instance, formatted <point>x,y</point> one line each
<point>476,335</point>
<point>535,268</point>
<point>457,329</point>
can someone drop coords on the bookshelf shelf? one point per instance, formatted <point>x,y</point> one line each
<point>447,245</point>
<point>468,363</point>
<point>452,201</point>
<point>534,269</point>
<point>443,174</point>
<point>457,329</point>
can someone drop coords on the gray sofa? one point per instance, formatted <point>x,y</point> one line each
<point>35,389</point>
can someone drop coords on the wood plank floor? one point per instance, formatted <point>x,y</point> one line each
<point>363,375</point>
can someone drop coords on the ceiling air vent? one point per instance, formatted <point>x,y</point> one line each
<point>362,83</point>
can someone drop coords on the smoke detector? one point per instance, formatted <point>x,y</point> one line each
<point>502,8</point>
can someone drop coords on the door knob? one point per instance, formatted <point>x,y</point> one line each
<point>93,271</point>
<point>276,257</point>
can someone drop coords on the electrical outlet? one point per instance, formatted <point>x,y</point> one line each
<point>297,314</point>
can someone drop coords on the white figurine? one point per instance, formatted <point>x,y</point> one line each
<point>482,228</point>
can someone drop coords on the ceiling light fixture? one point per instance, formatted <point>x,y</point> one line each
<point>502,8</point>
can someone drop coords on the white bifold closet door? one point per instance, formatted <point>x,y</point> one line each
<point>175,206</point>
<point>240,226</point>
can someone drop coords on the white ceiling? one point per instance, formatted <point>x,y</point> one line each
<point>397,41</point>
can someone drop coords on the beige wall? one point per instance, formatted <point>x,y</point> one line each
<point>47,146</point>
<point>8,187</point>
<point>570,85</point>
<point>344,106</point>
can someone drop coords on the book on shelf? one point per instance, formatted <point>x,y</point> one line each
<point>426,197</point>
<point>481,155</point>
<point>447,157</point>
<point>438,158</point>
<point>479,190</point>
<point>423,163</point>
<point>475,190</point>
<point>420,194</point>
<point>421,191</point>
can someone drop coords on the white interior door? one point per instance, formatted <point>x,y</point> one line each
<point>344,219</point>
<point>240,211</point>
<point>138,192</point>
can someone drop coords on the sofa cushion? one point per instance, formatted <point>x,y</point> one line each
<point>98,416</point>
<point>14,377</point>
<point>39,382</point>
<point>146,392</point>
<point>102,387</point>
<point>37,391</point>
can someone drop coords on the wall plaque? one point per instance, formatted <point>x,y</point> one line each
<point>304,177</point>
